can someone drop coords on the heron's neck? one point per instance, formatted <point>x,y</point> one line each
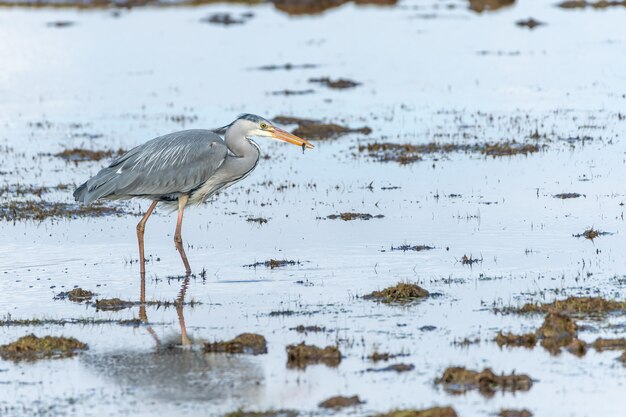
<point>239,145</point>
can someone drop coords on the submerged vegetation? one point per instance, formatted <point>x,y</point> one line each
<point>245,343</point>
<point>457,380</point>
<point>302,355</point>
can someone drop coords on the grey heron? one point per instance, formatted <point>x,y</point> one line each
<point>183,168</point>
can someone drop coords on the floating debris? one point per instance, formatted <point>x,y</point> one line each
<point>227,19</point>
<point>341,402</point>
<point>385,356</point>
<point>273,263</point>
<point>529,23</point>
<point>528,340</point>
<point>398,367</point>
<point>591,234</point>
<point>60,24</point>
<point>31,348</point>
<point>429,412</point>
<point>412,248</point>
<point>246,343</point>
<point>354,216</point>
<point>470,260</point>
<point>306,329</point>
<point>287,67</point>
<point>458,380</point>
<point>565,196</point>
<point>314,129</point>
<point>82,155</point>
<point>338,84</point>
<point>77,295</point>
<point>299,356</point>
<point>401,293</point>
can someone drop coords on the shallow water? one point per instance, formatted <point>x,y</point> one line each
<point>429,71</point>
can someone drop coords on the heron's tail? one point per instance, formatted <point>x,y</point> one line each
<point>81,193</point>
<point>101,185</point>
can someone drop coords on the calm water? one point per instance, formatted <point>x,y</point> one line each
<point>429,71</point>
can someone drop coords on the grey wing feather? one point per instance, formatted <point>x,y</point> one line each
<point>169,165</point>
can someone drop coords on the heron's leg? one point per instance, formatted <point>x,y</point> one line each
<point>140,228</point>
<point>178,239</point>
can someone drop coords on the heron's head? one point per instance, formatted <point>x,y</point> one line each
<point>253,125</point>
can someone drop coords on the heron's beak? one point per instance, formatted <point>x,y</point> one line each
<point>288,137</point>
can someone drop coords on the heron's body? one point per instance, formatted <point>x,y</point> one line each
<point>183,168</point>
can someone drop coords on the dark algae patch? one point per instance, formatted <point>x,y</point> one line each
<point>401,293</point>
<point>411,248</point>
<point>566,196</point>
<point>348,216</point>
<point>273,263</point>
<point>82,155</point>
<point>245,343</point>
<point>457,380</point>
<point>340,401</point>
<point>317,130</point>
<point>31,347</point>
<point>428,412</point>
<point>308,329</point>
<point>515,413</point>
<point>268,413</point>
<point>299,356</point>
<point>338,84</point>
<point>528,340</point>
<point>42,210</point>
<point>77,295</point>
<point>406,153</point>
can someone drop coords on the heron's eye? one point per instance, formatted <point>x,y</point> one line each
<point>263,125</point>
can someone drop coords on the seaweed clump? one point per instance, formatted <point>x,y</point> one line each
<point>31,348</point>
<point>429,412</point>
<point>245,343</point>
<point>402,293</point>
<point>299,356</point>
<point>341,402</point>
<point>347,216</point>
<point>458,380</point>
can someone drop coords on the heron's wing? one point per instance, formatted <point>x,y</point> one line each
<point>171,164</point>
